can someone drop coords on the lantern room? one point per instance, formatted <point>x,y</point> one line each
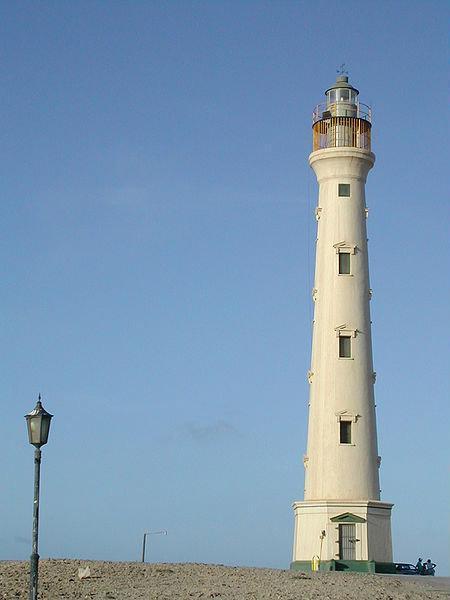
<point>342,98</point>
<point>342,121</point>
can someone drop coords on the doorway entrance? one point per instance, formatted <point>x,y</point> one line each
<point>347,541</point>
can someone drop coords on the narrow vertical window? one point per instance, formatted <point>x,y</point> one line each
<point>345,346</point>
<point>345,432</point>
<point>344,263</point>
<point>344,190</point>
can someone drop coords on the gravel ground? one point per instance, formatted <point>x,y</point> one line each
<point>58,580</point>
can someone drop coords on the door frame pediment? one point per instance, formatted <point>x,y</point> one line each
<point>347,518</point>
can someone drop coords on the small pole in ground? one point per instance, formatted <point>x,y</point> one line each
<point>146,533</point>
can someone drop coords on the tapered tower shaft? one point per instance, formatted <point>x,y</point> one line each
<point>342,443</point>
<point>341,517</point>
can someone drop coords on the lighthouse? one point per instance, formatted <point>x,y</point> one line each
<point>342,523</point>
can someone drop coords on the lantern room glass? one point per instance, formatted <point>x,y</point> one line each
<point>342,95</point>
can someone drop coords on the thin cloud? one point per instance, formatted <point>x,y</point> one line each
<point>211,431</point>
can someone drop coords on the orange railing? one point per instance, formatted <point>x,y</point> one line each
<point>335,132</point>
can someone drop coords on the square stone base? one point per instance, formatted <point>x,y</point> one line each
<point>372,528</point>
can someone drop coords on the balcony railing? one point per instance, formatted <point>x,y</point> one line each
<point>323,111</point>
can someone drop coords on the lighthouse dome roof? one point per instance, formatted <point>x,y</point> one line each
<point>342,82</point>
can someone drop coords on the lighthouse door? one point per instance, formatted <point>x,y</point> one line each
<point>347,541</point>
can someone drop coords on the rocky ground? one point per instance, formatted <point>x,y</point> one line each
<point>59,580</point>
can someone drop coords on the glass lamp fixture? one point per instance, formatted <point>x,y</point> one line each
<point>38,423</point>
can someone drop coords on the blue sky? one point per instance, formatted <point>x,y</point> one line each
<point>157,237</point>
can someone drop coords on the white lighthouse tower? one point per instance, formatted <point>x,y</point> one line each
<point>341,520</point>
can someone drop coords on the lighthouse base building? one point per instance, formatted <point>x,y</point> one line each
<point>342,524</point>
<point>354,535</point>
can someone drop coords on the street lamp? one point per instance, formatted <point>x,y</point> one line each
<point>38,424</point>
<point>163,532</point>
<point>322,535</point>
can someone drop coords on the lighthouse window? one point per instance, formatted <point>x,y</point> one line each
<point>345,346</point>
<point>344,263</point>
<point>345,432</point>
<point>344,190</point>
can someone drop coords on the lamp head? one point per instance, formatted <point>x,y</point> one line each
<point>38,424</point>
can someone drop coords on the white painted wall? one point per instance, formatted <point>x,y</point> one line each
<point>341,478</point>
<point>339,385</point>
<point>374,535</point>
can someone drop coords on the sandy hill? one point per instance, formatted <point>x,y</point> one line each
<point>59,580</point>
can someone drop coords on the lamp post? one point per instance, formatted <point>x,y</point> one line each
<point>322,535</point>
<point>163,532</point>
<point>38,424</point>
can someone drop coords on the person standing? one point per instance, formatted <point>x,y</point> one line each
<point>430,566</point>
<point>419,566</point>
